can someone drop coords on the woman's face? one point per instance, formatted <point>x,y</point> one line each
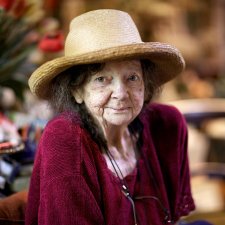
<point>115,95</point>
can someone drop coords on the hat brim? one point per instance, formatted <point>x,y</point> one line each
<point>167,59</point>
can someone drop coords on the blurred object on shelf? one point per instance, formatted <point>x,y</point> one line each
<point>198,110</point>
<point>171,26</point>
<point>216,218</point>
<point>9,169</point>
<point>211,169</point>
<point>190,85</point>
<point>16,168</point>
<point>10,143</point>
<point>197,153</point>
<point>50,46</point>
<point>207,193</point>
<point>29,124</point>
<point>30,135</point>
<point>215,131</point>
<point>7,98</point>
<point>20,135</point>
<point>207,117</point>
<point>196,86</point>
<point>52,42</point>
<point>36,109</point>
<point>215,128</point>
<point>10,140</point>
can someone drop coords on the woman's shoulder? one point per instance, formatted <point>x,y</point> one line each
<point>162,112</point>
<point>63,122</point>
<point>59,150</point>
<point>62,129</point>
<point>67,117</point>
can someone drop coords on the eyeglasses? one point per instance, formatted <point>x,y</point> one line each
<point>166,219</point>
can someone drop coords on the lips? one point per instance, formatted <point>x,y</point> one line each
<point>120,109</point>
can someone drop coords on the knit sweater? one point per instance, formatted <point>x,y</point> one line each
<point>72,185</point>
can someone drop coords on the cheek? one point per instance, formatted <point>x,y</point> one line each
<point>95,101</point>
<point>138,99</point>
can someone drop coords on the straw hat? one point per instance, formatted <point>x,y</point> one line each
<point>106,35</point>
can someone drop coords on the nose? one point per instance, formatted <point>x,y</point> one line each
<point>119,91</point>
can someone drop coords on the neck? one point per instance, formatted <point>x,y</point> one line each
<point>114,135</point>
<point>122,150</point>
<point>119,141</point>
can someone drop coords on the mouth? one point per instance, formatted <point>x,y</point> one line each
<point>120,109</point>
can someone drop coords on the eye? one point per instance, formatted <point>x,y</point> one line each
<point>133,77</point>
<point>100,79</point>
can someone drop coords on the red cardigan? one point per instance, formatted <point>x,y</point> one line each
<point>72,185</point>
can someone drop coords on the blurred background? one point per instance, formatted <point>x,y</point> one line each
<point>33,31</point>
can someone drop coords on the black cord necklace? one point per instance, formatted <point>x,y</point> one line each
<point>126,192</point>
<point>125,189</point>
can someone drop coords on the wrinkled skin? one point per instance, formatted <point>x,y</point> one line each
<point>114,97</point>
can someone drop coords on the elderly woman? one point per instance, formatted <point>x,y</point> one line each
<point>109,156</point>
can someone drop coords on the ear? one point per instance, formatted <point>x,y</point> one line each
<point>77,94</point>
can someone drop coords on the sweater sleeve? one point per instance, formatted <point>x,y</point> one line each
<point>184,200</point>
<point>59,192</point>
<point>179,188</point>
<point>169,131</point>
<point>67,201</point>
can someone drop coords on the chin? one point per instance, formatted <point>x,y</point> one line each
<point>119,121</point>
